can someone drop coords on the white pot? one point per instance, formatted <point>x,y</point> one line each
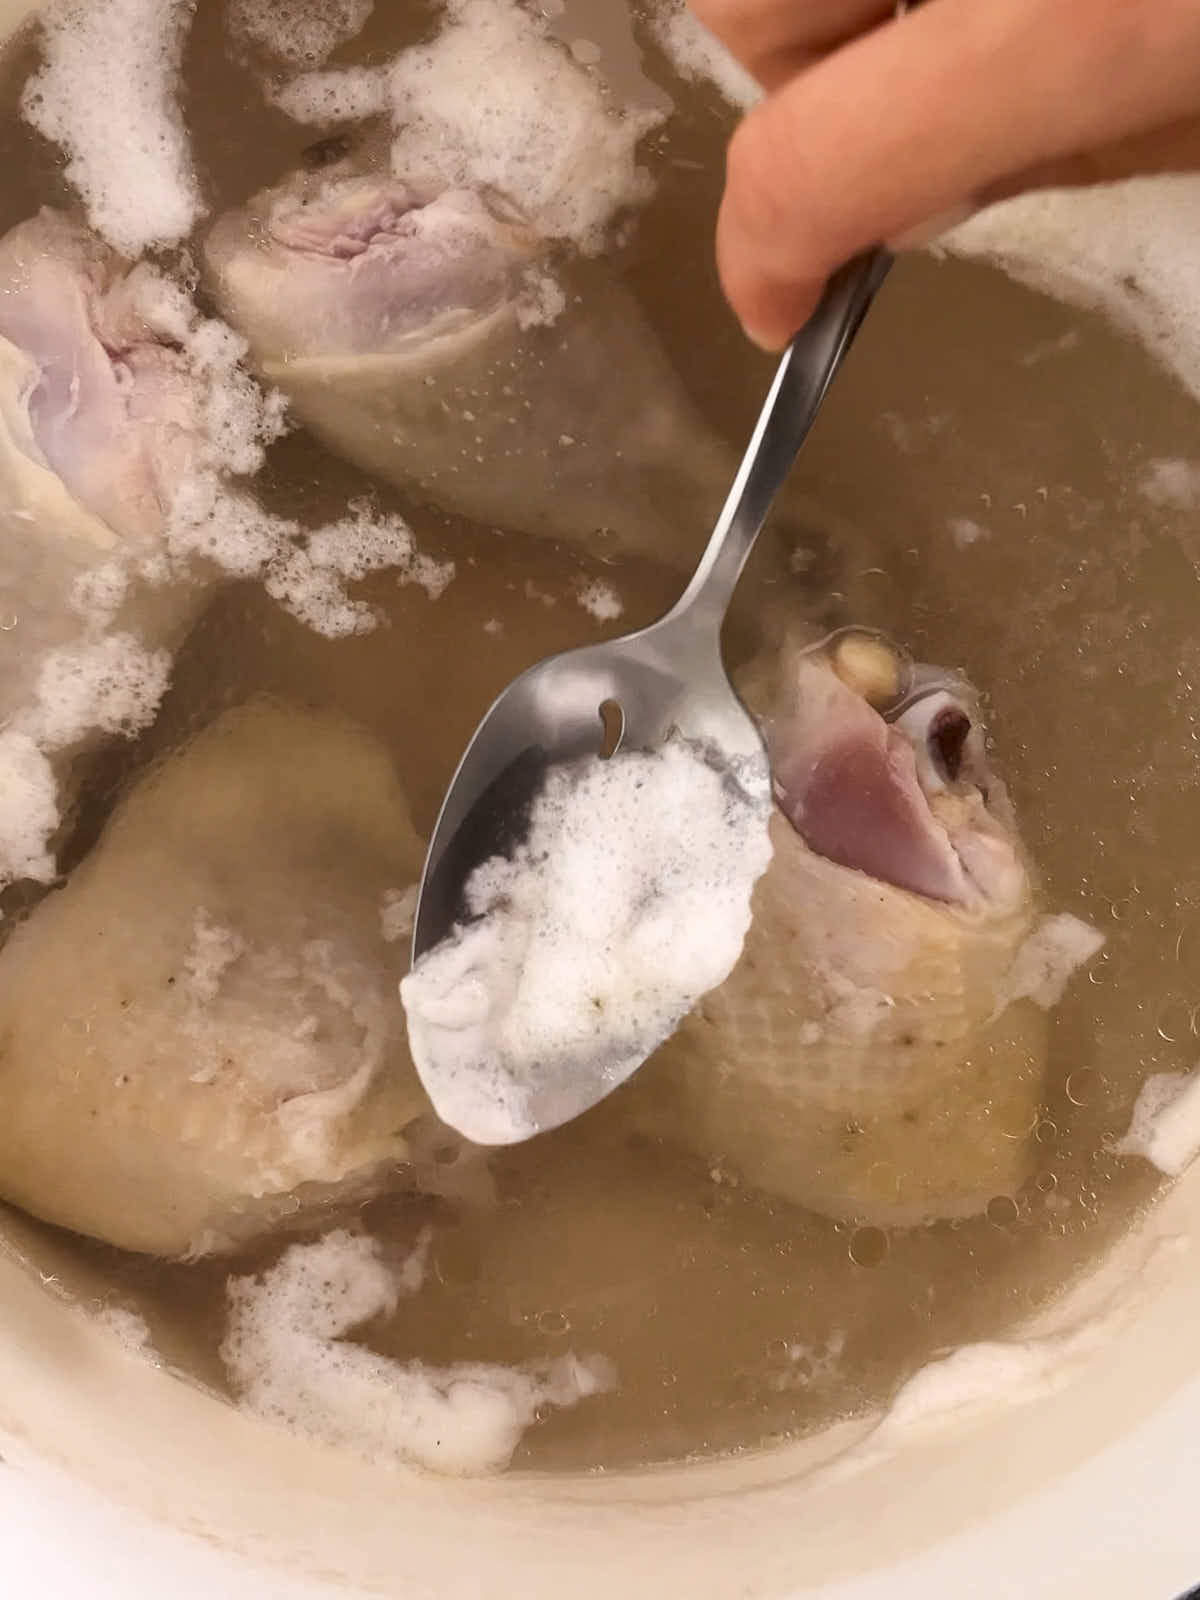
<point>1065,1470</point>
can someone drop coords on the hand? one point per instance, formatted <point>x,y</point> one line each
<point>879,129</point>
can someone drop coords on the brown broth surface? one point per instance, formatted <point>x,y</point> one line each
<point>732,1319</point>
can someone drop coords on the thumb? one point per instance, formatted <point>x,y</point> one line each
<point>926,116</point>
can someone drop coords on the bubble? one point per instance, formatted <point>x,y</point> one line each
<point>868,1246</point>
<point>1002,1210</point>
<point>1082,1085</point>
<point>1175,1022</point>
<point>1099,970</point>
<point>669,1380</point>
<point>1046,1131</point>
<point>553,1322</point>
<point>8,622</point>
<point>1187,948</point>
<point>1047,1182</point>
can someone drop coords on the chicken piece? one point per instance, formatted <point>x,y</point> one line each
<point>98,421</point>
<point>863,1059</point>
<point>432,337</point>
<point>99,417</point>
<point>202,1034</point>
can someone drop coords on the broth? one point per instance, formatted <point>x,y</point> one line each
<point>974,484</point>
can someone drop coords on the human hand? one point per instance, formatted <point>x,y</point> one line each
<point>879,129</point>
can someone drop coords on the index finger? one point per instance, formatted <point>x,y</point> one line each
<point>914,119</point>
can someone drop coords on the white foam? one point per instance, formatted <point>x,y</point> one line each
<point>238,418</point>
<point>29,811</point>
<point>628,900</point>
<point>542,300</point>
<point>98,594</point>
<point>1171,483</point>
<point>129,1328</point>
<point>1165,1126</point>
<point>349,94</point>
<point>286,1353</point>
<point>112,684</point>
<point>695,53</point>
<point>310,579</point>
<point>1125,249</point>
<point>811,1366</point>
<point>978,1379</point>
<point>214,950</point>
<point>964,531</point>
<point>397,912</point>
<point>109,684</point>
<point>415,1267</point>
<point>212,520</point>
<point>600,600</point>
<point>494,102</point>
<point>107,94</point>
<point>1048,959</point>
<point>299,32</point>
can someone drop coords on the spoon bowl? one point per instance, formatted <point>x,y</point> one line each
<point>632,693</point>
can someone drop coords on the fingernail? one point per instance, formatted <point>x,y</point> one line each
<point>928,232</point>
<point>768,342</point>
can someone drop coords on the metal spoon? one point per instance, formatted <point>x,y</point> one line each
<point>637,690</point>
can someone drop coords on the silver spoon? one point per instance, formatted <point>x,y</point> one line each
<point>637,690</point>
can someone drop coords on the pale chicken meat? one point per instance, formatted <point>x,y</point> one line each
<point>432,337</point>
<point>202,1034</point>
<point>98,423</point>
<point>99,419</point>
<point>866,1058</point>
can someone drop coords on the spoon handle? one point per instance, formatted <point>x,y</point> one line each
<point>795,397</point>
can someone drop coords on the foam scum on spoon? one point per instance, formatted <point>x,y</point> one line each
<point>628,900</point>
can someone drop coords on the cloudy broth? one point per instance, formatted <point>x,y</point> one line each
<point>976,488</point>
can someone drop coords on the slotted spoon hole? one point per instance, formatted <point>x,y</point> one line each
<point>612,720</point>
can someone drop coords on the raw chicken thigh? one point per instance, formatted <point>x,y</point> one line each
<point>434,339</point>
<point>98,419</point>
<point>98,422</point>
<point>202,1032</point>
<point>862,1059</point>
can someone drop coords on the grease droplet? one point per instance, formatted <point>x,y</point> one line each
<point>868,1246</point>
